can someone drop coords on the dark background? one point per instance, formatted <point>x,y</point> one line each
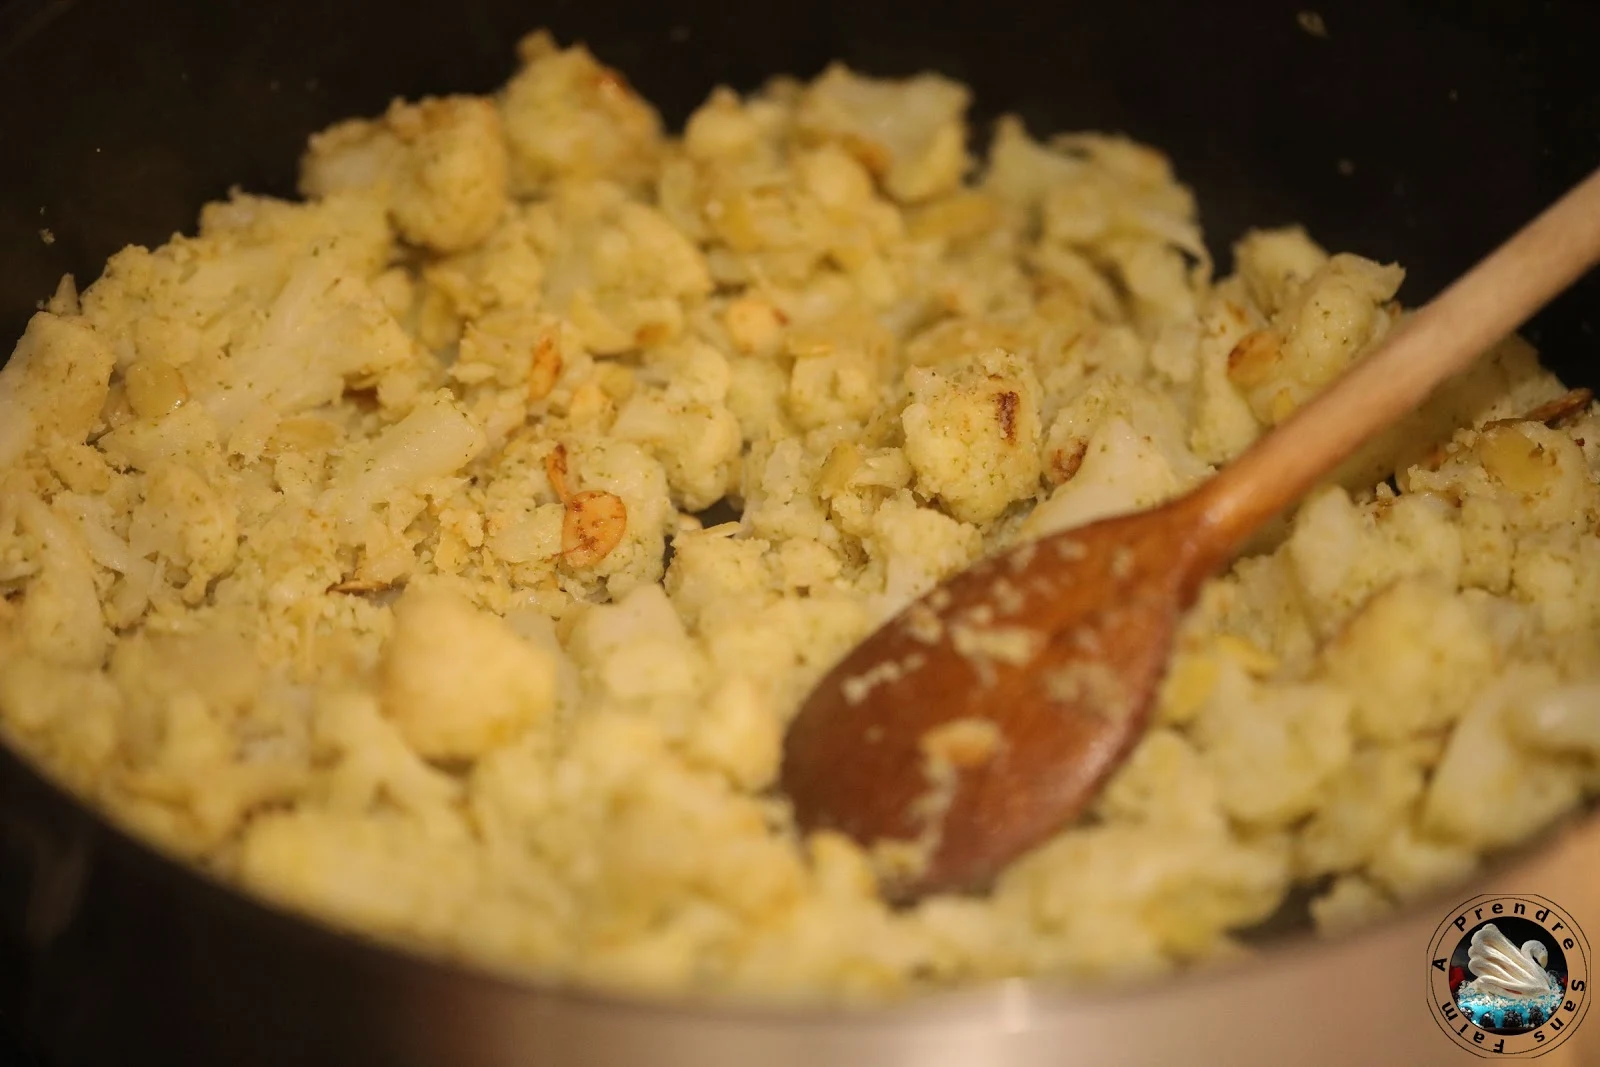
<point>119,118</point>
<point>1459,117</point>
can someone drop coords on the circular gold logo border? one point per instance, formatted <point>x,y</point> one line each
<point>1542,1038</point>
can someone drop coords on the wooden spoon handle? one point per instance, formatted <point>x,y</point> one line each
<point>1443,338</point>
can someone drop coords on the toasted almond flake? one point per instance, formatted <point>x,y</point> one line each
<point>1253,359</point>
<point>555,468</point>
<point>589,403</point>
<point>544,370</point>
<point>1065,462</point>
<point>1555,412</point>
<point>154,388</point>
<point>592,526</point>
<point>359,585</point>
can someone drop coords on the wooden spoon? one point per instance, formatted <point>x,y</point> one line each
<point>985,716</point>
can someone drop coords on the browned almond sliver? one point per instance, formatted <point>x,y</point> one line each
<point>359,585</point>
<point>1064,463</point>
<point>544,370</point>
<point>555,468</point>
<point>593,525</point>
<point>1553,413</point>
<point>1252,360</point>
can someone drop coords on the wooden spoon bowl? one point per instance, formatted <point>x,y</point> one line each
<point>1055,645</point>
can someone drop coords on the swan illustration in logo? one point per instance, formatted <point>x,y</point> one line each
<point>1510,987</point>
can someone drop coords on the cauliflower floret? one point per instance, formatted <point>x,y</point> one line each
<point>377,872</point>
<point>739,734</point>
<point>686,425</point>
<point>1561,721</point>
<point>1341,554</point>
<point>434,440</point>
<point>1276,265</point>
<point>1120,472</point>
<point>1166,782</point>
<point>1113,449</point>
<point>1315,336</point>
<point>715,571</point>
<point>1486,792</point>
<point>624,470</point>
<point>322,330</point>
<point>53,386</point>
<point>1541,473</point>
<point>1412,863</point>
<point>1414,657</point>
<point>1163,891</point>
<point>439,165</point>
<point>457,681</point>
<point>909,133</point>
<point>972,434</point>
<point>1352,903</point>
<point>66,717</point>
<point>840,372</point>
<point>505,273</point>
<point>60,618</point>
<point>1223,424</point>
<point>189,523</point>
<point>616,268</point>
<point>1021,171</point>
<point>917,548</point>
<point>1273,750</point>
<point>636,649</point>
<point>568,117</point>
<point>1377,792</point>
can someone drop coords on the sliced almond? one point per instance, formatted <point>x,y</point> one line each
<point>1555,412</point>
<point>593,525</point>
<point>1552,413</point>
<point>154,388</point>
<point>1514,459</point>
<point>545,369</point>
<point>1064,462</point>
<point>359,585</point>
<point>555,468</point>
<point>1252,360</point>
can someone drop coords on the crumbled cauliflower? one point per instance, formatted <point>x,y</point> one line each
<point>439,165</point>
<point>457,681</point>
<point>569,117</point>
<point>972,434</point>
<point>908,133</point>
<point>445,555</point>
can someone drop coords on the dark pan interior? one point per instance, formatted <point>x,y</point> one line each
<point>1456,119</point>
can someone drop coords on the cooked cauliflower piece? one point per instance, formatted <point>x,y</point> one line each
<point>569,117</point>
<point>53,386</point>
<point>445,555</point>
<point>438,165</point>
<point>972,434</point>
<point>910,133</point>
<point>457,681</point>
